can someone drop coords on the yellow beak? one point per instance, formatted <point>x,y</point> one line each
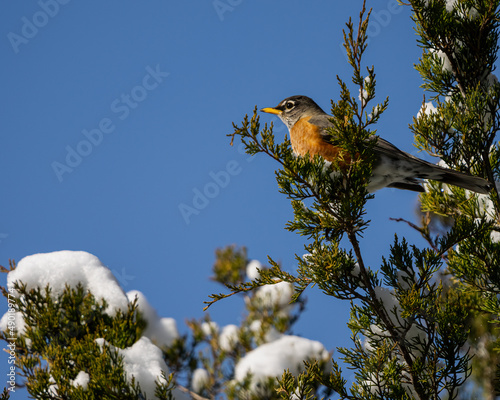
<point>271,110</point>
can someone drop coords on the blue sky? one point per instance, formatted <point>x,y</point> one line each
<point>115,115</point>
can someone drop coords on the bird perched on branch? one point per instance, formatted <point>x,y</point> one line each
<point>308,123</point>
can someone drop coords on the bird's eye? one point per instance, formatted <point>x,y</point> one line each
<point>289,105</point>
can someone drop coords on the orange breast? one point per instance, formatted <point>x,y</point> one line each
<point>306,138</point>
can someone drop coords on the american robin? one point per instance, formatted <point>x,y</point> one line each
<point>308,123</point>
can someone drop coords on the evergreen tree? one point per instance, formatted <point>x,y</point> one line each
<point>418,320</point>
<point>70,344</point>
<point>67,333</point>
<point>424,323</point>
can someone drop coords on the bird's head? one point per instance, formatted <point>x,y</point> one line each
<point>294,108</point>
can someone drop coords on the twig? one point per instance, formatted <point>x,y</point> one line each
<point>425,234</point>
<point>192,394</point>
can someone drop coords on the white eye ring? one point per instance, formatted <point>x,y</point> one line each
<point>289,105</point>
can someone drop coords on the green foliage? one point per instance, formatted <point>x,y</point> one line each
<point>71,332</point>
<point>416,320</point>
<point>164,389</point>
<point>338,193</point>
<point>423,322</point>
<point>59,341</point>
<point>272,318</point>
<point>230,264</point>
<point>460,47</point>
<point>305,385</point>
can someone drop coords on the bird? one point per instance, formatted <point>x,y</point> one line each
<point>307,125</point>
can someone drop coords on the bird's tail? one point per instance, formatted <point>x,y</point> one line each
<point>460,179</point>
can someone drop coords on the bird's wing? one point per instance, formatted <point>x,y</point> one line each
<point>382,147</point>
<point>409,167</point>
<point>323,122</point>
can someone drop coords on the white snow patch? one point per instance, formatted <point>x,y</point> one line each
<point>271,335</point>
<point>228,338</point>
<point>161,331</point>
<point>252,269</point>
<point>278,294</point>
<point>427,109</point>
<point>390,303</point>
<point>272,359</point>
<point>200,379</point>
<point>450,4</point>
<point>53,388</point>
<point>82,379</point>
<point>209,328</point>
<point>363,93</point>
<point>144,362</point>
<point>62,268</point>
<point>13,320</point>
<point>444,59</point>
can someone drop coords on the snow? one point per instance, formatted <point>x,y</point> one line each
<point>62,268</point>
<point>144,362</point>
<point>270,335</point>
<point>470,12</point>
<point>413,333</point>
<point>82,379</point>
<point>252,269</point>
<point>488,208</point>
<point>161,331</point>
<point>363,93</point>
<point>228,338</point>
<point>491,80</point>
<point>278,294</point>
<point>487,205</point>
<point>209,328</point>
<point>404,280</point>
<point>409,328</point>
<point>444,59</point>
<point>13,319</point>
<point>271,359</point>
<point>101,342</point>
<point>450,4</point>
<point>53,388</point>
<point>390,303</point>
<point>495,236</point>
<point>356,271</point>
<point>200,379</point>
<point>375,112</point>
<point>427,109</point>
